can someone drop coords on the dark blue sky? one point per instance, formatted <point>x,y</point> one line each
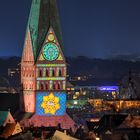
<point>94,28</point>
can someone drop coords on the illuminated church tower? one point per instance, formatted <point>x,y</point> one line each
<point>43,66</point>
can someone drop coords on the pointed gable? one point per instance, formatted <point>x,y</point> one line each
<point>6,117</point>
<point>27,55</point>
<point>3,116</point>
<point>17,129</point>
<point>51,121</point>
<point>51,37</point>
<point>43,14</point>
<point>11,129</point>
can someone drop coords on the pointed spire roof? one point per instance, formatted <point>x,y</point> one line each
<point>43,15</point>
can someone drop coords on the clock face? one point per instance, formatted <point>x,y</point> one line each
<point>50,51</point>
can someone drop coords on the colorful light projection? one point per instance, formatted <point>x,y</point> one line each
<point>51,65</point>
<point>51,78</point>
<point>50,104</point>
<point>109,88</point>
<point>50,52</point>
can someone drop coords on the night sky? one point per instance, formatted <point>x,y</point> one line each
<point>93,28</point>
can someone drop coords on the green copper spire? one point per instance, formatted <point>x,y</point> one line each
<point>43,15</point>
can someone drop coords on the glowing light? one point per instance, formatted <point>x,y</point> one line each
<point>50,104</point>
<point>109,88</point>
<point>79,78</point>
<point>75,102</point>
<point>84,93</point>
<point>74,97</point>
<point>72,88</point>
<point>94,120</point>
<point>77,93</point>
<point>113,94</point>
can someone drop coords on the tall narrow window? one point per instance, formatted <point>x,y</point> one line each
<point>40,73</point>
<point>53,73</point>
<point>47,72</point>
<point>47,87</point>
<point>54,86</point>
<point>58,86</point>
<point>41,86</point>
<point>26,86</point>
<point>30,86</point>
<point>60,73</point>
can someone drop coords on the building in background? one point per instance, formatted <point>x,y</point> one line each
<point>12,72</point>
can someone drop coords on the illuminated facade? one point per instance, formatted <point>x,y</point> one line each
<point>51,103</point>
<point>43,66</point>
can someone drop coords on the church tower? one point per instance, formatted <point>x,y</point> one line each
<point>43,65</point>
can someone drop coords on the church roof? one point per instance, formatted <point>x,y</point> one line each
<point>11,129</point>
<point>6,117</point>
<point>51,121</point>
<point>131,122</point>
<point>8,130</point>
<point>3,116</point>
<point>43,15</point>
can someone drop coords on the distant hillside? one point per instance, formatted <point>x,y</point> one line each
<point>9,101</point>
<point>99,68</point>
<point>126,57</point>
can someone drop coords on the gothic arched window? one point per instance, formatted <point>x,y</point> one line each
<point>60,73</point>
<point>58,86</point>
<point>47,72</point>
<point>41,86</point>
<point>53,73</point>
<point>40,73</point>
<point>47,87</point>
<point>54,86</point>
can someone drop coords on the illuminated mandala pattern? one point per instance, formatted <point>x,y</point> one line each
<point>50,104</point>
<point>50,52</point>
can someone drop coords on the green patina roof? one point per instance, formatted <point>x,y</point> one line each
<point>3,116</point>
<point>43,15</point>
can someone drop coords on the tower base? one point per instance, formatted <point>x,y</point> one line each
<point>48,121</point>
